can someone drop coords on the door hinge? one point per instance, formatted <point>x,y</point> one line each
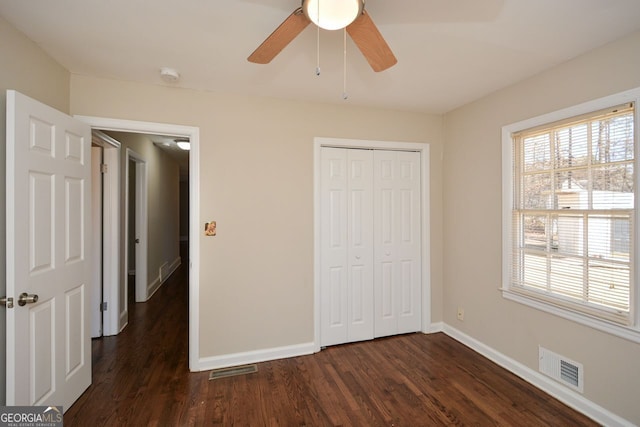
<point>103,306</point>
<point>103,168</point>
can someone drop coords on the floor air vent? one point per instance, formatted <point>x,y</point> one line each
<point>561,369</point>
<point>233,371</point>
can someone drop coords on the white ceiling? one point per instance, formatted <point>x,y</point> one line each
<point>450,52</point>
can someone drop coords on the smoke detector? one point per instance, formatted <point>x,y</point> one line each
<point>169,75</point>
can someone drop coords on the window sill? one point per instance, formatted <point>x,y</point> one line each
<point>626,332</point>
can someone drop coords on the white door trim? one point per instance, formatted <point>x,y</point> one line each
<point>423,148</point>
<point>110,231</point>
<point>193,133</point>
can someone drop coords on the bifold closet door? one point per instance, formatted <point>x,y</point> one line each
<point>397,231</point>
<point>346,235</point>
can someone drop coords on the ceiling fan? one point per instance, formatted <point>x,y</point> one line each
<point>357,21</point>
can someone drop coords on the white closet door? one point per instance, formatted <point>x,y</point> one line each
<point>346,229</point>
<point>397,268</point>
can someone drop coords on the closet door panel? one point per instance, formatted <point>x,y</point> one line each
<point>346,292</point>
<point>408,248</point>
<point>397,276</point>
<point>334,269</point>
<point>385,241</point>
<point>360,244</point>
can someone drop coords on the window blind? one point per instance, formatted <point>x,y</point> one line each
<point>573,213</point>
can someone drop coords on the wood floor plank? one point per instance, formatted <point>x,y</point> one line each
<point>141,378</point>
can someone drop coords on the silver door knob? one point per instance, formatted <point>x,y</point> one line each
<point>26,298</point>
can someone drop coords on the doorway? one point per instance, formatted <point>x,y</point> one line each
<point>113,289</point>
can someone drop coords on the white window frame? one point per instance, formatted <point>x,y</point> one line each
<point>630,332</point>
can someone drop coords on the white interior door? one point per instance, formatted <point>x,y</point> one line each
<point>397,234</point>
<point>48,254</point>
<point>136,206</point>
<point>346,246</point>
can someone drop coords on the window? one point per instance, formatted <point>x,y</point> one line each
<point>570,213</point>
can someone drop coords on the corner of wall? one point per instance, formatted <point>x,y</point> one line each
<point>560,392</point>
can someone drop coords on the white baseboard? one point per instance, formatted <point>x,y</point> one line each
<point>163,271</point>
<point>174,266</point>
<point>158,281</point>
<point>123,321</point>
<point>166,269</point>
<point>153,287</point>
<point>236,359</point>
<point>435,327</point>
<point>560,392</point>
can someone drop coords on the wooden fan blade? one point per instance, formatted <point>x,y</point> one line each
<point>280,38</point>
<point>366,36</point>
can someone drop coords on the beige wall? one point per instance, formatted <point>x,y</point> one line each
<point>473,230</point>
<point>27,69</point>
<point>163,203</point>
<point>256,165</point>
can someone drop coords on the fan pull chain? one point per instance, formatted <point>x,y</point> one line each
<point>318,52</point>
<point>318,43</point>
<point>345,95</point>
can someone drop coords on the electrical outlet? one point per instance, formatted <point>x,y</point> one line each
<point>460,313</point>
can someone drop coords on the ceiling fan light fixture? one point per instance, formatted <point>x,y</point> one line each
<point>332,14</point>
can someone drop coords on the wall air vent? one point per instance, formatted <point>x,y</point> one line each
<point>561,369</point>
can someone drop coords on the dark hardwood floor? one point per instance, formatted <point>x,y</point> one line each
<point>141,378</point>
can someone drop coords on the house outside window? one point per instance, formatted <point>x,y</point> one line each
<point>569,214</point>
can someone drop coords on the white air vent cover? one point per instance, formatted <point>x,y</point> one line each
<point>561,369</point>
